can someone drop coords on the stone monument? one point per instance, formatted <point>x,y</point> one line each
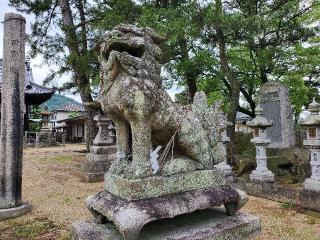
<point>276,104</point>
<point>12,105</point>
<point>312,123</point>
<point>165,155</point>
<point>259,125</point>
<point>102,153</point>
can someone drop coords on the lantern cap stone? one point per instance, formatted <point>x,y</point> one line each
<point>314,106</point>
<point>314,118</point>
<point>259,121</point>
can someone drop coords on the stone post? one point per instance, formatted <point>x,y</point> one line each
<point>63,139</point>
<point>102,153</point>
<point>12,112</point>
<point>312,123</point>
<point>259,125</point>
<point>224,166</point>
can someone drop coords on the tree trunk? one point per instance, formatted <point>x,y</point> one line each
<point>77,50</point>
<point>192,87</point>
<point>234,83</point>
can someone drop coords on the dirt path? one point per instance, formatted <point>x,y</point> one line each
<point>58,199</point>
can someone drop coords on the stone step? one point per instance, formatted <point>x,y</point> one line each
<point>210,224</point>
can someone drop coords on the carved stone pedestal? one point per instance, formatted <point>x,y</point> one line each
<point>102,153</point>
<point>97,163</point>
<point>131,204</point>
<point>211,224</point>
<point>117,218</point>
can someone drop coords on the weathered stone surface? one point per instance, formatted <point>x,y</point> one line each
<point>295,196</point>
<point>15,211</point>
<point>275,101</point>
<point>156,186</point>
<point>130,216</point>
<point>133,97</point>
<point>202,225</point>
<point>182,143</point>
<point>103,149</point>
<point>312,185</point>
<point>12,110</point>
<point>102,153</point>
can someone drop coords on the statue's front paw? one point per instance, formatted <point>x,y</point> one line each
<point>140,170</point>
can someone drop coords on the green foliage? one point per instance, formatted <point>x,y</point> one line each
<point>33,229</point>
<point>265,41</point>
<point>35,112</point>
<point>73,114</point>
<point>34,127</point>
<point>287,206</point>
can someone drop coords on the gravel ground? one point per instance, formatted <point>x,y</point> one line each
<point>58,197</point>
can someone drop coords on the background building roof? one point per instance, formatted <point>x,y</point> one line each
<point>35,93</point>
<point>71,108</point>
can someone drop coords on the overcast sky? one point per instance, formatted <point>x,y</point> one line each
<point>39,70</point>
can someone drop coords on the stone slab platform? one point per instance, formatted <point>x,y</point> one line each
<point>131,216</point>
<point>212,224</point>
<point>15,212</point>
<point>156,186</point>
<point>296,196</point>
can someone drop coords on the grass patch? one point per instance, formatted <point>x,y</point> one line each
<point>287,205</point>
<point>33,229</point>
<point>50,159</point>
<point>65,236</point>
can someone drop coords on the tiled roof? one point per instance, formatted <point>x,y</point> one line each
<point>71,108</point>
<point>31,87</point>
<point>242,117</point>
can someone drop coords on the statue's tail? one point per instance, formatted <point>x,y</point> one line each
<point>212,119</point>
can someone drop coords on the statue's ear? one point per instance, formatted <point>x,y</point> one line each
<point>157,39</point>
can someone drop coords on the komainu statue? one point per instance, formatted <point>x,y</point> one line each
<point>143,112</point>
<point>166,154</point>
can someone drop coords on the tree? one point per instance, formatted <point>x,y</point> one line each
<point>260,41</point>
<point>61,33</point>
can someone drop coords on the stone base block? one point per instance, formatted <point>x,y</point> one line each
<point>156,186</point>
<point>311,185</point>
<point>95,166</point>
<point>91,177</point>
<point>103,149</point>
<point>92,157</point>
<point>15,212</point>
<point>257,176</point>
<point>131,216</point>
<point>208,224</point>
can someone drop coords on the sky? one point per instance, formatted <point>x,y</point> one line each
<point>41,71</point>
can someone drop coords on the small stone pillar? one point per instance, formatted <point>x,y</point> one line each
<point>224,166</point>
<point>12,117</point>
<point>312,123</point>
<point>63,139</point>
<point>259,125</point>
<point>102,153</point>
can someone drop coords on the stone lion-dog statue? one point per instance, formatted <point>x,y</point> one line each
<point>144,114</point>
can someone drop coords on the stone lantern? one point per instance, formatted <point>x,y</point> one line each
<point>45,114</point>
<point>259,125</point>
<point>224,166</point>
<point>102,152</point>
<point>43,138</point>
<point>312,124</point>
